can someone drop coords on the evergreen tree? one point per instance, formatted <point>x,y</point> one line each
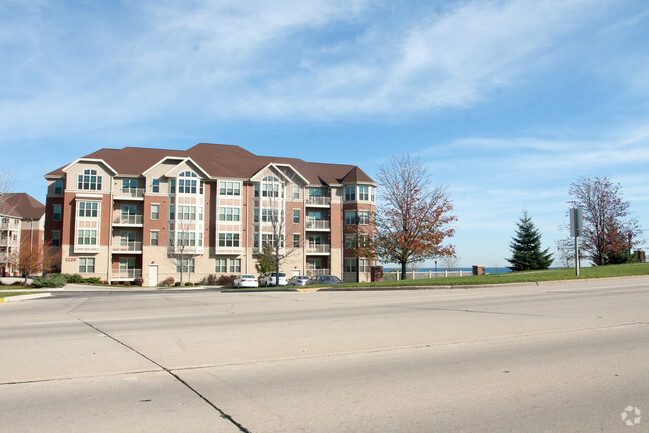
<point>526,248</point>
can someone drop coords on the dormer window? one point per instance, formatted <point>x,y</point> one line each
<point>89,180</point>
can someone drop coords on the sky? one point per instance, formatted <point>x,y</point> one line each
<point>506,102</point>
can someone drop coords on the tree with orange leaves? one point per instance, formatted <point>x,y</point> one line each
<point>34,257</point>
<point>414,216</point>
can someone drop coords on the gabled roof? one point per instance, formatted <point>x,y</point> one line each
<point>22,205</point>
<point>222,161</point>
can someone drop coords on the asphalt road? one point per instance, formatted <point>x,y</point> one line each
<point>567,357</point>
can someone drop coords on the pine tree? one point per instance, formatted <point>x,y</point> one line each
<point>526,247</point>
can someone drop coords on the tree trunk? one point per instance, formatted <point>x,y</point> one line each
<point>403,270</point>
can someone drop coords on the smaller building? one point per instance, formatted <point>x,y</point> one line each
<point>22,223</point>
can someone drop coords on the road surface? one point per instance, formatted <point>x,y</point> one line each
<point>558,357</point>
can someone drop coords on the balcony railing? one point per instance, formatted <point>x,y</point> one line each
<point>127,274</point>
<point>130,193</point>
<point>315,200</point>
<point>318,248</point>
<point>128,246</point>
<point>8,242</point>
<point>4,257</point>
<point>314,272</point>
<point>318,224</point>
<point>128,219</point>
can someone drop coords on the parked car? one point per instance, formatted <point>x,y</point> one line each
<point>268,279</point>
<point>299,280</point>
<point>324,280</point>
<point>246,280</point>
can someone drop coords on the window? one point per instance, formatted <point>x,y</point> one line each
<point>372,194</point>
<point>186,239</point>
<point>229,188</point>
<point>350,217</point>
<point>229,240</point>
<point>350,193</point>
<point>187,213</point>
<point>296,216</point>
<point>221,266</point>
<point>154,238</point>
<point>56,238</point>
<point>172,186</point>
<point>155,211</point>
<point>172,212</point>
<point>269,215</point>
<point>56,212</point>
<point>187,265</point>
<point>363,265</point>
<point>350,265</point>
<point>363,192</point>
<point>229,214</point>
<point>87,209</point>
<point>58,187</point>
<point>155,185</point>
<point>350,241</point>
<point>86,237</point>
<point>187,182</point>
<point>268,239</point>
<point>235,265</point>
<point>89,180</point>
<point>270,187</point>
<point>364,217</point>
<point>129,184</point>
<point>296,240</point>
<point>296,192</point>
<point>86,265</point>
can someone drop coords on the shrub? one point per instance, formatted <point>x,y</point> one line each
<point>189,284</point>
<point>168,282</point>
<point>92,280</point>
<point>127,283</point>
<point>56,280</point>
<point>139,282</point>
<point>226,280</point>
<point>73,278</point>
<point>177,284</point>
<point>18,283</point>
<point>211,280</point>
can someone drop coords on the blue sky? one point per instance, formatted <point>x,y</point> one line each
<point>508,102</point>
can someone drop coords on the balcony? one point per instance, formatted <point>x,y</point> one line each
<point>315,200</point>
<point>128,219</point>
<point>128,247</point>
<point>127,274</point>
<point>130,194</point>
<point>4,257</point>
<point>318,248</point>
<point>313,224</point>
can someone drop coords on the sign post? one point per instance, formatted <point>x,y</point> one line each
<point>576,229</point>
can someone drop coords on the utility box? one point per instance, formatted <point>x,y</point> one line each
<point>478,270</point>
<point>376,273</point>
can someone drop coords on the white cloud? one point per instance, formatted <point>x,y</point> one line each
<point>318,59</point>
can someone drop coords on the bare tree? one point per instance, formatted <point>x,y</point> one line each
<point>450,262</point>
<point>414,216</point>
<point>6,185</point>
<point>566,252</point>
<point>183,245</point>
<point>610,232</point>
<point>272,244</point>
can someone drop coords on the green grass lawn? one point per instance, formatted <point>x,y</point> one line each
<point>8,294</point>
<point>632,269</point>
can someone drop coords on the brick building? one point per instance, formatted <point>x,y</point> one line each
<point>122,214</point>
<point>22,219</point>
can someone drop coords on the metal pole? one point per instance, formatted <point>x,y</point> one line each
<point>577,255</point>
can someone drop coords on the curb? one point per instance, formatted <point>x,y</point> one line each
<point>24,297</point>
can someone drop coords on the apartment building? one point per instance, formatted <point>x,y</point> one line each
<point>22,223</point>
<point>124,214</point>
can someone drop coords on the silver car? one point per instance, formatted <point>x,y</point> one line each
<point>299,280</point>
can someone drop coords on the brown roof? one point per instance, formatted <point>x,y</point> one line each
<point>221,160</point>
<point>22,205</point>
